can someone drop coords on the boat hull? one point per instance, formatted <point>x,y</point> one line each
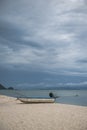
<point>37,100</point>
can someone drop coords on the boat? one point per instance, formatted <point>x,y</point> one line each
<point>37,100</point>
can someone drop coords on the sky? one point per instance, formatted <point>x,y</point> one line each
<point>43,43</point>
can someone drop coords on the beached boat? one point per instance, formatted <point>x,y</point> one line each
<point>37,100</point>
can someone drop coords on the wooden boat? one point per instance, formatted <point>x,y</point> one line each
<point>37,100</point>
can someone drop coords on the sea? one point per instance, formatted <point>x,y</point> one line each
<point>73,97</point>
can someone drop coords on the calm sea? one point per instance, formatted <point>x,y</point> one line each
<point>75,97</point>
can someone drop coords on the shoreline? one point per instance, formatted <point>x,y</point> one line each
<point>15,115</point>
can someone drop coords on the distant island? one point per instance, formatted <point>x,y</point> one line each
<point>4,88</point>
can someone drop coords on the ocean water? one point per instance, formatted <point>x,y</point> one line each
<point>73,97</point>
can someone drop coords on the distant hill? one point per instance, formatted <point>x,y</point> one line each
<point>11,88</point>
<point>2,87</point>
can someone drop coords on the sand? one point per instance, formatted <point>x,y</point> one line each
<point>15,115</point>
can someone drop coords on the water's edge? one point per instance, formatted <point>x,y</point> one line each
<point>75,97</point>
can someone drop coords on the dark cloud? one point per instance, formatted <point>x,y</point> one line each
<point>13,34</point>
<point>84,61</point>
<point>10,31</point>
<point>43,39</point>
<point>18,77</point>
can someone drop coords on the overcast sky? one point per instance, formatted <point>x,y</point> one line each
<point>43,42</point>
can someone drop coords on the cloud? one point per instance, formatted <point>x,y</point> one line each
<point>47,35</point>
<point>84,61</point>
<point>44,85</point>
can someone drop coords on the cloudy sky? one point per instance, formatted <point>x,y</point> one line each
<point>43,43</point>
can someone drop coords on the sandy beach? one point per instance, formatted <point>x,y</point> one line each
<point>15,115</point>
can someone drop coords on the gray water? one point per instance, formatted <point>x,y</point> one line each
<point>74,97</point>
